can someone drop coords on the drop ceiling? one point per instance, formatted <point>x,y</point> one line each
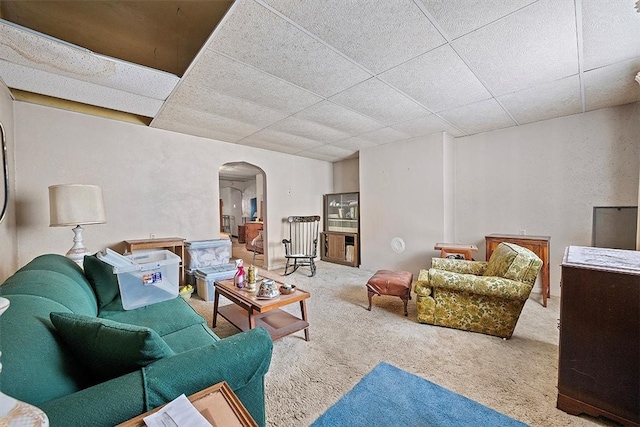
<point>324,79</point>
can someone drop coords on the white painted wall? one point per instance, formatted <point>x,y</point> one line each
<point>8,231</point>
<point>154,181</point>
<point>346,176</point>
<point>546,177</point>
<point>543,177</point>
<point>402,194</point>
<point>448,188</point>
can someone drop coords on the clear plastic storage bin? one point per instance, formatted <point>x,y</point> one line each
<point>206,253</point>
<point>144,277</point>
<point>205,278</point>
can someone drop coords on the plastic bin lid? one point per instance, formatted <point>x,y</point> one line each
<point>204,271</point>
<point>120,263</point>
<point>205,243</point>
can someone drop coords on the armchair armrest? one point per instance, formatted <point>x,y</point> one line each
<point>498,287</point>
<point>460,266</point>
<point>241,360</point>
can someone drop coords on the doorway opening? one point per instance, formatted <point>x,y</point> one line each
<point>242,211</point>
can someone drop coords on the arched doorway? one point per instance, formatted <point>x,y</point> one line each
<point>243,210</point>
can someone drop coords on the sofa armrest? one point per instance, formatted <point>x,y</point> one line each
<point>422,287</point>
<point>497,287</point>
<point>460,266</point>
<point>241,360</point>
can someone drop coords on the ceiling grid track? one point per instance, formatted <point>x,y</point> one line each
<point>444,34</point>
<point>343,55</point>
<point>578,11</point>
<point>252,71</point>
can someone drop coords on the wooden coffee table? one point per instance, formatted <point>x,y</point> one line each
<point>247,311</point>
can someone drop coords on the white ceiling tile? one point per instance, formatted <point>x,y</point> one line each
<point>384,136</point>
<point>307,129</point>
<point>426,125</point>
<point>610,32</point>
<point>459,17</point>
<point>272,136</point>
<point>555,99</point>
<point>330,152</point>
<point>257,36</point>
<point>612,85</point>
<point>439,80</point>
<point>37,81</point>
<point>379,101</point>
<point>217,72</point>
<point>267,145</point>
<point>30,49</point>
<point>479,117</point>
<point>537,44</point>
<point>175,113</point>
<point>317,156</point>
<point>226,106</point>
<point>379,35</point>
<point>204,132</point>
<point>338,117</point>
<point>354,143</point>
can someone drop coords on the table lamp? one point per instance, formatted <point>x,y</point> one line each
<point>76,204</point>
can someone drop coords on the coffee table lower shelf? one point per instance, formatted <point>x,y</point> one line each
<point>277,322</point>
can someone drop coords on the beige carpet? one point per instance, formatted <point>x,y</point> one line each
<point>517,377</point>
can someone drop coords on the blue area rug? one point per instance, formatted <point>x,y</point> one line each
<point>389,396</point>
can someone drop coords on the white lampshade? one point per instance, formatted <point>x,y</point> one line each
<point>76,204</point>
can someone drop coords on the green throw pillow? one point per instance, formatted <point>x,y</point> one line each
<point>108,348</point>
<point>102,280</point>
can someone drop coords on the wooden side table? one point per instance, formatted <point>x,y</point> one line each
<point>539,245</point>
<point>454,248</point>
<point>174,244</point>
<point>218,404</point>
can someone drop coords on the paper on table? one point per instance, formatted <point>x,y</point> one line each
<point>177,413</point>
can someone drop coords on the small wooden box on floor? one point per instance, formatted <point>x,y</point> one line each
<point>218,404</point>
<point>599,364</point>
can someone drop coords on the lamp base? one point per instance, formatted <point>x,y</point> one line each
<point>78,250</point>
<point>16,413</point>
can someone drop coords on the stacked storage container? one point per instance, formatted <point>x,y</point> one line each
<point>207,261</point>
<point>206,276</point>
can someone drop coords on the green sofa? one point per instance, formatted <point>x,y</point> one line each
<point>71,367</point>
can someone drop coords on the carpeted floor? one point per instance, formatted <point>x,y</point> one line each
<point>517,377</point>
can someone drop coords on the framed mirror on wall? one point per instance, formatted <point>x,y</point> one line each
<point>4,188</point>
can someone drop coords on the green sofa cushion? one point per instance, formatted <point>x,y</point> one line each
<point>102,280</point>
<point>191,337</point>
<point>163,317</point>
<point>63,265</point>
<point>36,365</point>
<point>107,348</point>
<point>52,285</point>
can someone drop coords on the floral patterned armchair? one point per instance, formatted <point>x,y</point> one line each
<point>478,296</point>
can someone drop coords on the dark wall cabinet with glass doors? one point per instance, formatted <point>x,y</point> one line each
<point>339,242</point>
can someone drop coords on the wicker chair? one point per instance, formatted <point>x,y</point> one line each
<point>478,296</point>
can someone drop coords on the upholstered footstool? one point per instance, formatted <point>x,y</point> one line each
<point>393,283</point>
